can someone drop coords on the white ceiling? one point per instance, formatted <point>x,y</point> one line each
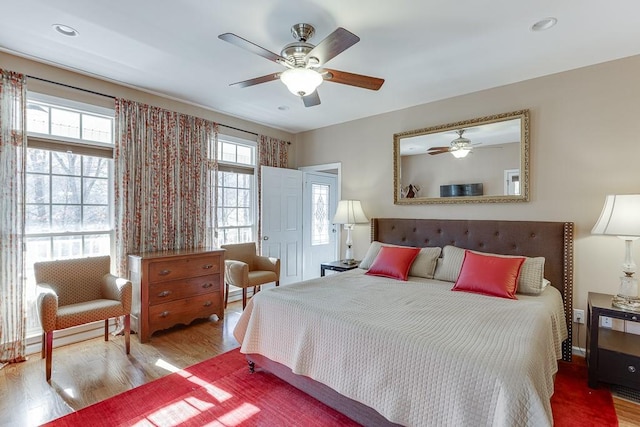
<point>424,49</point>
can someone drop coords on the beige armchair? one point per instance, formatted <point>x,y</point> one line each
<point>245,268</point>
<point>77,291</point>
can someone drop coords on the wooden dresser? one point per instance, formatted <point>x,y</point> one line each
<point>172,287</point>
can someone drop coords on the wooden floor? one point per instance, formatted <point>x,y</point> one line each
<point>94,370</point>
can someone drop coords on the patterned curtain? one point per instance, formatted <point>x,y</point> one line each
<point>12,186</point>
<point>271,152</point>
<point>163,183</point>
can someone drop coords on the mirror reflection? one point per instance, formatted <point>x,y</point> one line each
<point>479,160</point>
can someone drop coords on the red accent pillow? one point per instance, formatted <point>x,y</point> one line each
<point>393,262</point>
<point>489,275</point>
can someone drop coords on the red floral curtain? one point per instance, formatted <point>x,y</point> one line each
<point>271,152</point>
<point>13,143</point>
<point>163,184</point>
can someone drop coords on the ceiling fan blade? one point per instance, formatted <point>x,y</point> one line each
<point>334,44</point>
<point>252,47</point>
<point>257,80</point>
<point>366,82</point>
<point>311,99</point>
<point>446,150</point>
<point>438,148</point>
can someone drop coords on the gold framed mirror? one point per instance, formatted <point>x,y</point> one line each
<point>483,160</point>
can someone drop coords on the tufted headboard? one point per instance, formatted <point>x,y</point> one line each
<point>551,240</point>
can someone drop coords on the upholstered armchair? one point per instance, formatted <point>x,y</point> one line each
<point>244,268</point>
<point>78,291</point>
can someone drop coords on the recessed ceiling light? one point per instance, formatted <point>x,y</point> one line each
<point>544,24</point>
<point>65,30</point>
<point>283,107</point>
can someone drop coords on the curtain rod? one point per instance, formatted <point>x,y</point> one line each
<point>113,97</point>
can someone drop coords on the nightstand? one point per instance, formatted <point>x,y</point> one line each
<point>612,356</point>
<point>337,266</point>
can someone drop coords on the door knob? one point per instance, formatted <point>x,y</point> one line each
<point>265,238</point>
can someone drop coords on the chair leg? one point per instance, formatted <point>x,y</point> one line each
<point>127,333</point>
<point>106,329</point>
<point>48,337</point>
<point>277,282</point>
<point>44,341</point>
<point>244,298</point>
<point>226,294</point>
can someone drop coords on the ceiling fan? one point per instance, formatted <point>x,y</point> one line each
<point>305,62</point>
<point>459,147</point>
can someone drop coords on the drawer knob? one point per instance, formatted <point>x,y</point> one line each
<point>164,314</point>
<point>208,303</point>
<point>164,272</point>
<point>207,266</point>
<point>207,285</point>
<point>631,369</point>
<point>164,293</point>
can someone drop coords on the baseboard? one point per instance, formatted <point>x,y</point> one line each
<point>578,351</point>
<point>69,336</point>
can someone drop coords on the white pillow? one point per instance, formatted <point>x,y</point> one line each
<point>529,282</point>
<point>423,266</point>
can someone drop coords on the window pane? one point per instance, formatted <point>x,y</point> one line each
<point>244,216</point>
<point>96,191</point>
<point>244,180</point>
<point>97,244</point>
<point>38,249</point>
<point>96,167</point>
<point>37,188</point>
<point>228,152</point>
<point>230,197</point>
<point>230,236</point>
<point>67,247</point>
<point>65,218</point>
<point>96,218</point>
<point>37,160</point>
<point>65,163</point>
<point>65,190</point>
<point>246,235</point>
<point>230,179</point>
<point>244,155</point>
<point>229,217</point>
<point>65,123</point>
<point>319,214</point>
<point>37,118</point>
<point>37,218</point>
<point>96,128</point>
<point>244,198</point>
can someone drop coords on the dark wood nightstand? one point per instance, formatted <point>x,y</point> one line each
<point>337,266</point>
<point>612,356</point>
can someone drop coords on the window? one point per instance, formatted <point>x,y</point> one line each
<point>69,181</point>
<point>235,191</point>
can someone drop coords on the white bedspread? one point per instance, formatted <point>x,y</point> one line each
<point>415,351</point>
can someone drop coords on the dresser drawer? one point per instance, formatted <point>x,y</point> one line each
<point>162,316</point>
<point>171,269</point>
<point>162,292</point>
<point>619,368</point>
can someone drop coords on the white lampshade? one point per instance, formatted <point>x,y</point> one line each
<point>460,153</point>
<point>350,212</point>
<point>301,81</point>
<point>620,217</point>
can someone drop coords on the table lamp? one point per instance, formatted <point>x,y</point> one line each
<point>620,217</point>
<point>349,213</point>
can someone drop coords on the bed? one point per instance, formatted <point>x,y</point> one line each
<point>369,347</point>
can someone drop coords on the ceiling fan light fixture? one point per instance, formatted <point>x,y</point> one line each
<point>301,81</point>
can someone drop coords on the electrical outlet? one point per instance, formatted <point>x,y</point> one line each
<point>578,316</point>
<point>606,322</point>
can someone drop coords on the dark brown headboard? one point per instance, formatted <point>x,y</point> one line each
<point>551,240</point>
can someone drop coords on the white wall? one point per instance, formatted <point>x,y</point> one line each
<point>585,143</point>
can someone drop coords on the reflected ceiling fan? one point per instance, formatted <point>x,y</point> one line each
<point>305,62</point>
<point>459,147</point>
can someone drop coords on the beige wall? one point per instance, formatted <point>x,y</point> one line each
<point>585,143</point>
<point>58,75</point>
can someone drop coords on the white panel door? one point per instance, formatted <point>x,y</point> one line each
<point>282,220</point>
<point>320,195</point>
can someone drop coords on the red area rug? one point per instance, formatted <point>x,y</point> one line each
<point>221,392</point>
